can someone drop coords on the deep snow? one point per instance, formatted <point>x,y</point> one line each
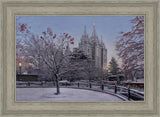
<point>67,94</point>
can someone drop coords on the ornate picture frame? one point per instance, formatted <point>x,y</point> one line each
<point>10,9</point>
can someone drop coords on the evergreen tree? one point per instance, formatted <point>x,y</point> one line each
<point>113,66</point>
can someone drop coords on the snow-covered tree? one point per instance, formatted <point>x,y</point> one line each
<point>130,47</point>
<point>89,69</point>
<point>22,32</point>
<point>47,52</point>
<point>113,66</point>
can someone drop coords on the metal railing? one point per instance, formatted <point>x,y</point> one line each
<point>126,92</point>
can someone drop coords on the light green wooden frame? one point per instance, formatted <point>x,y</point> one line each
<point>10,9</point>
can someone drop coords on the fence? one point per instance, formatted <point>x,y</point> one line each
<point>127,92</point>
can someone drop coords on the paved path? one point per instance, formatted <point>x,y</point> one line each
<point>67,94</point>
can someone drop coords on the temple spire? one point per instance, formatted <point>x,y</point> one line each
<point>94,30</point>
<point>101,40</point>
<point>93,23</point>
<point>84,35</point>
<point>85,32</point>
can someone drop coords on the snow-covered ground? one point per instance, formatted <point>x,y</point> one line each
<point>67,94</point>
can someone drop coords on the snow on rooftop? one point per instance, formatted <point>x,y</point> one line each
<point>67,94</point>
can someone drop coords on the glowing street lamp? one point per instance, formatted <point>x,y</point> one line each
<point>20,66</point>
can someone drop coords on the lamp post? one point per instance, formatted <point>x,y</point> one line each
<point>20,66</point>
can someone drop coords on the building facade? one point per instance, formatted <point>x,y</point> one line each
<point>94,48</point>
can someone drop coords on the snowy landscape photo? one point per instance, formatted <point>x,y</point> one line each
<point>80,58</point>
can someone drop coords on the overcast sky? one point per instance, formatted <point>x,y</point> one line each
<point>106,26</point>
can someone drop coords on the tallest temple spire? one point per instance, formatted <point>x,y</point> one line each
<point>94,30</point>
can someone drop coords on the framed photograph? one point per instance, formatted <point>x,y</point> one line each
<point>79,58</point>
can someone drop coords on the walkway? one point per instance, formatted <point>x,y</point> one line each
<point>67,94</point>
